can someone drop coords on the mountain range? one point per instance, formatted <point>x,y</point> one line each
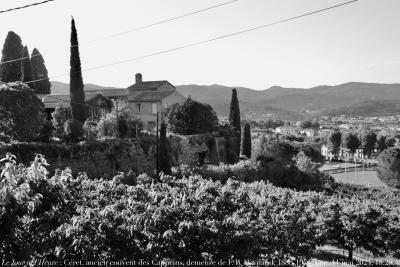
<point>353,99</point>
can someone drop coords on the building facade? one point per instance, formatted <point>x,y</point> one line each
<point>146,99</point>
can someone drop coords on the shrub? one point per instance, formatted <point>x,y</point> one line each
<point>389,167</point>
<point>73,130</point>
<point>20,111</point>
<point>191,117</point>
<point>59,117</point>
<point>46,132</point>
<point>90,130</point>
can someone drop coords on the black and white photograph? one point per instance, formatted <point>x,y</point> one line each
<point>209,133</point>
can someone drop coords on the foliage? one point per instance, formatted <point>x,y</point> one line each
<point>234,120</point>
<point>78,106</point>
<point>368,141</point>
<point>164,160</point>
<point>246,150</point>
<point>21,112</point>
<point>189,218</point>
<point>90,131</point>
<point>40,75</point>
<point>334,143</point>
<point>12,49</point>
<point>26,66</point>
<point>73,130</point>
<point>59,117</point>
<point>389,167</point>
<point>124,126</point>
<point>191,117</point>
<point>230,136</point>
<point>46,131</point>
<point>352,142</point>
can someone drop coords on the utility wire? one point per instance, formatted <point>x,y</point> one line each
<point>26,6</point>
<point>208,40</point>
<point>137,28</point>
<point>160,22</point>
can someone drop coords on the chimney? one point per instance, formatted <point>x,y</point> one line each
<point>138,78</point>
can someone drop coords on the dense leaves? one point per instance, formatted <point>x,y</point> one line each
<point>12,49</point>
<point>191,117</point>
<point>78,106</point>
<point>389,167</point>
<point>21,112</point>
<point>234,119</point>
<point>246,149</point>
<point>41,84</point>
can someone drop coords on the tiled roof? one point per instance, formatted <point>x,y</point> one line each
<point>110,92</point>
<point>51,101</point>
<point>148,85</point>
<point>150,96</point>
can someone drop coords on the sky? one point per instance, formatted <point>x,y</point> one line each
<point>356,42</point>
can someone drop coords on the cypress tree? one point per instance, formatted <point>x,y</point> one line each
<point>164,165</point>
<point>246,149</point>
<point>234,119</point>
<point>12,49</point>
<point>39,74</point>
<point>78,107</point>
<point>26,67</point>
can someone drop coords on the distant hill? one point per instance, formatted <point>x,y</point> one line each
<point>355,98</point>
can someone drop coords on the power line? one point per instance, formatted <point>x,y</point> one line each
<point>161,22</point>
<point>26,6</point>
<point>209,40</point>
<point>137,28</point>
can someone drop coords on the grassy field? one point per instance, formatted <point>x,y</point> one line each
<point>367,178</point>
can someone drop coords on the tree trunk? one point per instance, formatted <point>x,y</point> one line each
<point>350,257</point>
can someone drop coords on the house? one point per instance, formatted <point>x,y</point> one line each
<point>288,130</point>
<point>146,99</point>
<point>97,103</point>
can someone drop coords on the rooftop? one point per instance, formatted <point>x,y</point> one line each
<point>150,96</point>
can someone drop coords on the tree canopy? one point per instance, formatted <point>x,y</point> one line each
<point>389,167</point>
<point>191,117</point>
<point>40,75</point>
<point>12,49</point>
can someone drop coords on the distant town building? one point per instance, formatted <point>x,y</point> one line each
<point>147,98</point>
<point>288,130</point>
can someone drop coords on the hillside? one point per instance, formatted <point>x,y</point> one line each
<point>367,99</point>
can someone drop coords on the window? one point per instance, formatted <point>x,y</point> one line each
<point>154,108</point>
<point>138,107</point>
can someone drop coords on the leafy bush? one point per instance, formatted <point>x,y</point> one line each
<point>191,117</point>
<point>90,131</point>
<point>124,126</point>
<point>59,117</point>
<point>182,219</point>
<point>20,112</point>
<point>389,167</point>
<point>73,130</point>
<point>46,131</point>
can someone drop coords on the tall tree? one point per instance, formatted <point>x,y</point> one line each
<point>163,151</point>
<point>368,142</point>
<point>246,149</point>
<point>234,118</point>
<point>352,143</point>
<point>12,49</point>
<point>26,66</point>
<point>334,142</point>
<point>381,143</point>
<point>78,107</point>
<point>39,74</point>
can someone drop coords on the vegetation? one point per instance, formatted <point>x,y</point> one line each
<point>21,115</point>
<point>26,66</point>
<point>164,160</point>
<point>183,219</point>
<point>42,83</point>
<point>234,119</point>
<point>78,106</point>
<point>191,117</point>
<point>389,167</point>
<point>368,142</point>
<point>334,142</point>
<point>246,141</point>
<point>352,143</point>
<point>12,49</point>
<point>59,117</point>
